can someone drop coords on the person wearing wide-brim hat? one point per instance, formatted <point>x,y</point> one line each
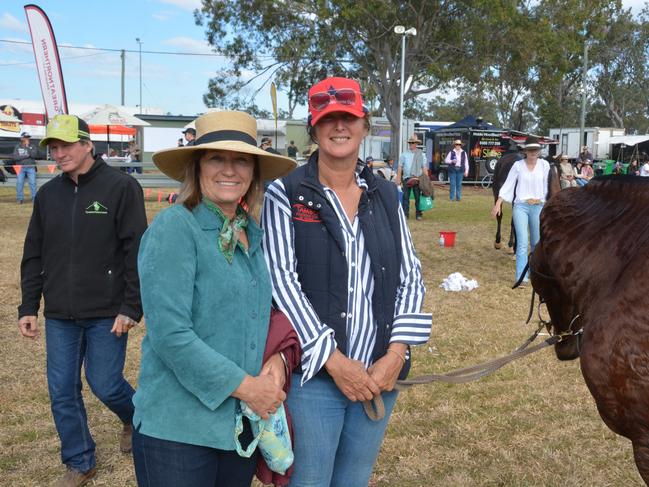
<point>568,176</point>
<point>412,164</point>
<point>24,155</point>
<point>526,187</point>
<point>346,274</point>
<point>457,161</point>
<point>206,295</point>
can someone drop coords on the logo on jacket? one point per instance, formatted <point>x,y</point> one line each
<point>305,214</point>
<point>96,208</point>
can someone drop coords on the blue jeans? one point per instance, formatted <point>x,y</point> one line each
<point>526,217</point>
<point>336,444</point>
<point>69,344</point>
<point>455,177</point>
<point>581,181</point>
<point>30,173</point>
<point>164,463</point>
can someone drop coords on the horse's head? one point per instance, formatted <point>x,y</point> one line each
<point>559,305</point>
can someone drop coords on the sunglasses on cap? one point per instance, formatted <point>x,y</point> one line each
<point>344,96</point>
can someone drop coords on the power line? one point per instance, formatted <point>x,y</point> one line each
<point>63,59</point>
<point>105,49</point>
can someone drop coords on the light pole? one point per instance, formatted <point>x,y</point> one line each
<point>401,30</point>
<point>137,39</point>
<point>582,118</point>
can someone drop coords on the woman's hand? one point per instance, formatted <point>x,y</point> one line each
<point>261,394</point>
<point>496,210</point>
<point>351,378</point>
<point>274,367</point>
<point>385,371</point>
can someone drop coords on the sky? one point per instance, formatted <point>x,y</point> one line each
<point>172,83</point>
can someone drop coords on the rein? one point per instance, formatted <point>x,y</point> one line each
<point>375,409</point>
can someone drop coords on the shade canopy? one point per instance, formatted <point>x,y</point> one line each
<point>111,115</point>
<point>626,139</point>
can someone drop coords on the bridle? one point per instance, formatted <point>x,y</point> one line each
<point>548,323</point>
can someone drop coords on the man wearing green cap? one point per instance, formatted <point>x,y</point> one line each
<point>80,254</point>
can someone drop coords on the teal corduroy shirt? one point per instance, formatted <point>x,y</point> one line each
<point>207,322</point>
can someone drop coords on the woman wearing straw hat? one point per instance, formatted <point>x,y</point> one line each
<point>527,187</point>
<point>206,296</point>
<point>345,272</point>
<point>458,168</point>
<point>568,178</point>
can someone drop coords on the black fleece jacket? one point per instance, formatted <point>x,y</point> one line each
<point>81,247</point>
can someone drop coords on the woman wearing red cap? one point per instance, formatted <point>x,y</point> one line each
<point>344,270</point>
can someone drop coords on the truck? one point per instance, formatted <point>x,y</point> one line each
<point>484,144</point>
<point>596,138</point>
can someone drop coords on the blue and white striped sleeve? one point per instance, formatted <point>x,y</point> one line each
<point>316,338</point>
<point>410,325</point>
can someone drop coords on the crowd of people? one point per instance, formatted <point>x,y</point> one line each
<point>293,318</point>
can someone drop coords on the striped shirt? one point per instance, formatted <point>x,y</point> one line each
<point>317,340</point>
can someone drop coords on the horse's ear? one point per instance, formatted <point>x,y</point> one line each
<point>553,182</point>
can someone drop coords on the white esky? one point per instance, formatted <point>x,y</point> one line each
<point>175,84</point>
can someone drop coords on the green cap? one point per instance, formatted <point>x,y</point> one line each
<point>68,128</point>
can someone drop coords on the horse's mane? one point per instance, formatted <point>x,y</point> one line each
<point>603,225</point>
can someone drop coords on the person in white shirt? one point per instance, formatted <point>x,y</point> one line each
<point>644,169</point>
<point>526,186</point>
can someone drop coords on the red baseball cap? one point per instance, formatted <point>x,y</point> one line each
<point>335,95</point>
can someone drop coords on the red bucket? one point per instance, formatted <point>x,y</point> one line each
<point>449,238</point>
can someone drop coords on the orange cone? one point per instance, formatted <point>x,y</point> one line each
<point>51,168</point>
<point>17,168</point>
<point>159,196</point>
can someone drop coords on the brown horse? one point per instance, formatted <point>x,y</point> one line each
<point>591,267</point>
<point>503,166</point>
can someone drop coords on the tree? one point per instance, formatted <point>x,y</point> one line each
<point>621,85</point>
<point>301,41</point>
<point>563,27</point>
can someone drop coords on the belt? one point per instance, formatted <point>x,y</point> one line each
<point>533,201</point>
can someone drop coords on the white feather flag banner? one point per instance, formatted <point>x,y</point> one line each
<point>48,63</point>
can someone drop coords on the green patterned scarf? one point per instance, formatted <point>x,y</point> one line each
<point>229,235</point>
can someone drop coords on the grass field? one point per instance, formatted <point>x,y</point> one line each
<point>533,423</point>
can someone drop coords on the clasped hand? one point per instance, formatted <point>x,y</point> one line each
<point>264,394</point>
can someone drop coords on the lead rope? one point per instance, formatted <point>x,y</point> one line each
<point>375,409</point>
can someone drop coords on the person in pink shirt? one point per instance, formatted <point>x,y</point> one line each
<point>458,168</point>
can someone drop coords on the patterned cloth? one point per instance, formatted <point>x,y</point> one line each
<point>229,235</point>
<point>271,435</point>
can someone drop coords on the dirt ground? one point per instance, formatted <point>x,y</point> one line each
<point>533,423</point>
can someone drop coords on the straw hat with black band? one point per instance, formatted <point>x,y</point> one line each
<point>225,130</point>
<point>531,143</point>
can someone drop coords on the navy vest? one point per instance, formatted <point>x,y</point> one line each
<point>462,166</point>
<point>320,251</point>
